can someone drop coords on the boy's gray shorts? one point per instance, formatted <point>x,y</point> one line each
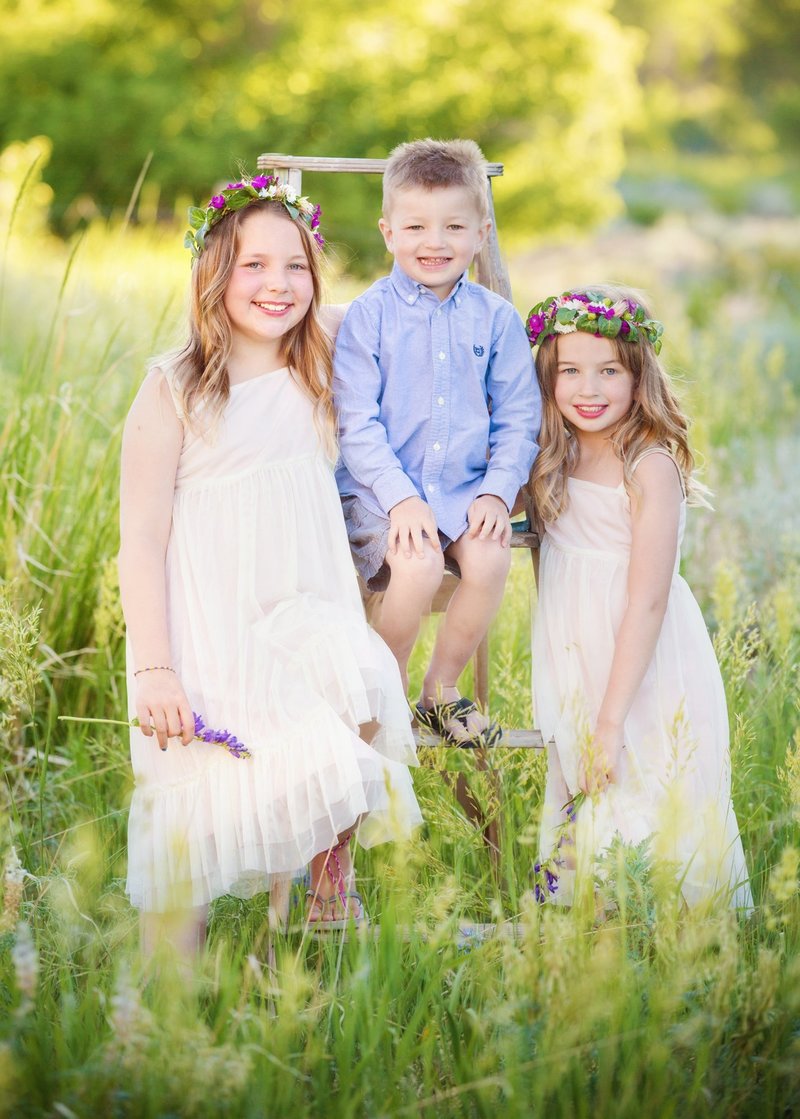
<point>368,533</point>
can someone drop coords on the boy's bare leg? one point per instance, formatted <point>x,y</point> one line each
<point>484,568</point>
<point>414,581</point>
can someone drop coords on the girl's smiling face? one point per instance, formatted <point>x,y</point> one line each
<point>270,287</point>
<point>593,390</point>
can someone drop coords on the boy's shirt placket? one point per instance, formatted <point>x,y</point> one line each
<point>438,435</point>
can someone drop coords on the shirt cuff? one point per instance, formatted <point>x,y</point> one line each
<point>392,488</point>
<point>502,484</point>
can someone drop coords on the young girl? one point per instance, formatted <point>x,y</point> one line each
<point>240,598</point>
<point>626,685</point>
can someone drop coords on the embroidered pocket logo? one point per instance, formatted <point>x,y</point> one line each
<point>478,351</point>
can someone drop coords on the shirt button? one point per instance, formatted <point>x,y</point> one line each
<point>442,355</point>
<point>439,313</point>
<point>440,400</point>
<point>437,446</point>
<point>411,298</point>
<point>431,487</point>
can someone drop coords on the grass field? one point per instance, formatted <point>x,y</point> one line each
<point>649,1013</point>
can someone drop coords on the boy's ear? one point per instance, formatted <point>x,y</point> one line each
<point>386,230</point>
<point>483,232</point>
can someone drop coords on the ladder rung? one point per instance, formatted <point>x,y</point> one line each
<point>517,739</point>
<point>275,161</point>
<point>524,540</point>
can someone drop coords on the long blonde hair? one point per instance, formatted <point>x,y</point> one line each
<point>655,419</point>
<point>200,367</point>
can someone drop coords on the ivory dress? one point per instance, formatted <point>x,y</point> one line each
<point>674,776</point>
<point>270,642</point>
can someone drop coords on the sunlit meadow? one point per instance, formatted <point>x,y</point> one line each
<point>649,1012</point>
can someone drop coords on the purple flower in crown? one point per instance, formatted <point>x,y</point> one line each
<point>316,216</point>
<point>261,181</point>
<point>319,239</point>
<point>580,297</point>
<point>609,313</point>
<point>536,324</point>
<point>218,202</point>
<point>234,186</point>
<point>624,327</point>
<point>595,309</point>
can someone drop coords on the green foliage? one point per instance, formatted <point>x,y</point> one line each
<point>343,80</point>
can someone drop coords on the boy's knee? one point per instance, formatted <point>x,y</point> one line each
<point>426,570</point>
<point>483,561</point>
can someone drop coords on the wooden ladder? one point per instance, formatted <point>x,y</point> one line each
<point>490,271</point>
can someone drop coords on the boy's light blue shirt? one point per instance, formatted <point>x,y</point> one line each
<point>412,381</point>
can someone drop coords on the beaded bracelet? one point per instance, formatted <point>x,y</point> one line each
<point>154,668</point>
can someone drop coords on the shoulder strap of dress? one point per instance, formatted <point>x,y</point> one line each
<point>658,450</point>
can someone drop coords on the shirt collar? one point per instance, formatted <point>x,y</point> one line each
<point>410,291</point>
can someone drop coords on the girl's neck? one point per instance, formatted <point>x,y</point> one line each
<point>597,460</point>
<point>249,359</point>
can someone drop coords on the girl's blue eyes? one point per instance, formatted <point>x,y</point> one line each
<point>610,371</point>
<point>295,266</point>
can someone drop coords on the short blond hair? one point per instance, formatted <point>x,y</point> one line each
<point>437,163</point>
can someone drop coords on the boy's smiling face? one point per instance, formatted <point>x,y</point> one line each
<point>434,234</point>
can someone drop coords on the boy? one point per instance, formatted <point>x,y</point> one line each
<point>430,370</point>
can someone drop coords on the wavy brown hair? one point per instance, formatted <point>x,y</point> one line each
<point>655,420</point>
<point>200,367</point>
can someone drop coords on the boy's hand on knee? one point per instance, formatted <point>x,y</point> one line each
<point>488,518</point>
<point>410,521</point>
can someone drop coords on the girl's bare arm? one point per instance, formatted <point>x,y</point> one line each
<point>655,509</point>
<point>151,446</point>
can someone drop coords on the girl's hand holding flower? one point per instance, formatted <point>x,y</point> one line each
<point>162,707</point>
<point>599,763</point>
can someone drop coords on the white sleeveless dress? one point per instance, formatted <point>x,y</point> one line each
<point>674,777</point>
<point>270,642</point>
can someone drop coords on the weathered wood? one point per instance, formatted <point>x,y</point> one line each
<point>276,161</point>
<point>514,738</point>
<point>490,269</point>
<point>465,934</point>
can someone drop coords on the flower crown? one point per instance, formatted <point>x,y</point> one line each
<point>595,314</point>
<point>236,196</point>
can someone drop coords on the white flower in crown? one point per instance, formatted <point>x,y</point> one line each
<point>564,327</point>
<point>289,193</point>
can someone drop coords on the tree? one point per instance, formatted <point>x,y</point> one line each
<point>547,89</point>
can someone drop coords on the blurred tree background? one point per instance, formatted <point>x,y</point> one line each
<point>591,105</point>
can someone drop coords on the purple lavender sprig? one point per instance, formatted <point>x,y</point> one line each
<point>221,737</point>
<point>202,733</point>
<point>546,873</point>
<point>546,880</point>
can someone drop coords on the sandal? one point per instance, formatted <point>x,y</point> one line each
<point>440,719</point>
<point>340,896</point>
